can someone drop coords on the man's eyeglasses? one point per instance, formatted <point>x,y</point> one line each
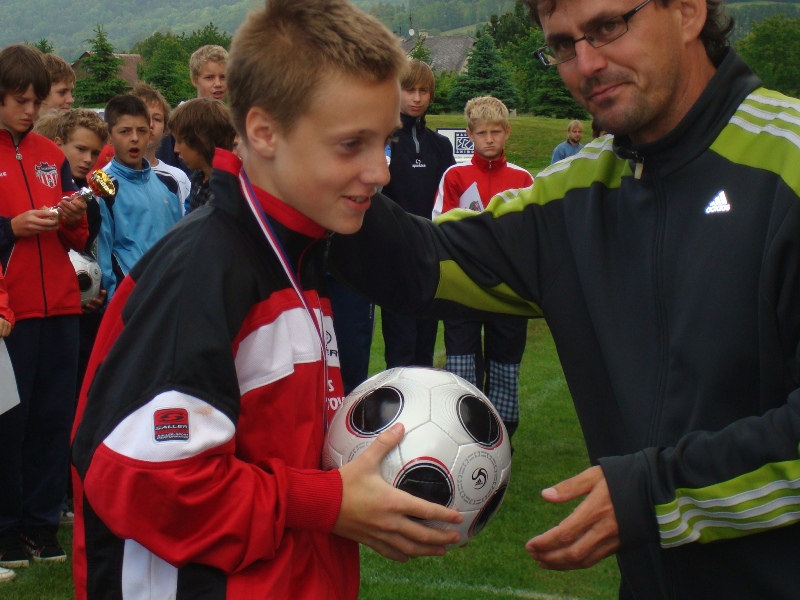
<point>605,33</point>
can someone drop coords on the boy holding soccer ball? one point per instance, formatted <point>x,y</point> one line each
<point>201,424</point>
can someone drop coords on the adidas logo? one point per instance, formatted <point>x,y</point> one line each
<point>718,204</point>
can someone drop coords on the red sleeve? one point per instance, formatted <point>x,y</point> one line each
<point>73,237</point>
<point>5,311</point>
<point>223,511</point>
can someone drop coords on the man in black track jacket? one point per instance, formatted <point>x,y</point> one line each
<point>666,260</point>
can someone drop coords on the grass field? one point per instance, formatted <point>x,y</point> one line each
<point>548,448</point>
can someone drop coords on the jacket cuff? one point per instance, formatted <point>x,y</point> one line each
<point>7,236</point>
<point>628,483</point>
<point>314,499</point>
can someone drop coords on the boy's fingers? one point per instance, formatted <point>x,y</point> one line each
<point>384,443</point>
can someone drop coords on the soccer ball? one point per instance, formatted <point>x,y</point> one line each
<point>89,275</point>
<point>455,451</point>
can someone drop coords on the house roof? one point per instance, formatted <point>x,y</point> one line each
<point>127,70</point>
<point>448,52</point>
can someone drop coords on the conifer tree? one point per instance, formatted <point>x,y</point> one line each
<point>486,75</point>
<point>101,81</point>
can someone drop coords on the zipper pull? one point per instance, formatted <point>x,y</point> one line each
<point>19,156</point>
<point>637,173</point>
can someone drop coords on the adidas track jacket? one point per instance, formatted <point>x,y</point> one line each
<point>674,301</point>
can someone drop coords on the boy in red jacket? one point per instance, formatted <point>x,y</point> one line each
<point>44,296</point>
<point>495,367</point>
<point>201,422</point>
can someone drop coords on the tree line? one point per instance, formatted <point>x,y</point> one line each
<point>502,64</point>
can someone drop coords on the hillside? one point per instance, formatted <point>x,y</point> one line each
<point>66,24</point>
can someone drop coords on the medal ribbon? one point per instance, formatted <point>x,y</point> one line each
<point>277,247</point>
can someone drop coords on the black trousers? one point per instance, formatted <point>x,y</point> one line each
<point>34,435</point>
<point>408,341</point>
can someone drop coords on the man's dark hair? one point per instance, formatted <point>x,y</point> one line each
<point>21,66</point>
<point>715,33</point>
<point>125,104</point>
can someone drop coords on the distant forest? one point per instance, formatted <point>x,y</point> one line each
<point>66,24</point>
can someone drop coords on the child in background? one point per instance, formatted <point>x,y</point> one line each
<point>46,125</point>
<point>81,135</point>
<point>419,157</point>
<point>199,440</point>
<point>471,186</point>
<point>144,207</point>
<point>44,296</point>
<point>207,70</point>
<point>62,84</point>
<point>159,110</point>
<point>199,126</point>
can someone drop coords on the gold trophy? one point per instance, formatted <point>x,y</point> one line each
<point>99,183</point>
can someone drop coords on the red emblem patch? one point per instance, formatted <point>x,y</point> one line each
<point>47,174</point>
<point>171,425</point>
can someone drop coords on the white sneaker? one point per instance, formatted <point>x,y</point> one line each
<point>6,575</point>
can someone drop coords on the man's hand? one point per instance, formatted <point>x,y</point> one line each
<point>586,536</point>
<point>5,327</point>
<point>72,209</point>
<point>378,515</point>
<point>95,304</point>
<point>33,222</point>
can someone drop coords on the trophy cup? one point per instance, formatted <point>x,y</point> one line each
<point>99,183</point>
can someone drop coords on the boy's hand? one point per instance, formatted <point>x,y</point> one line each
<point>33,222</point>
<point>72,208</point>
<point>380,516</point>
<point>5,327</point>
<point>95,304</point>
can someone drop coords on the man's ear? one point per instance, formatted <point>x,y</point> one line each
<point>263,132</point>
<point>693,18</point>
<point>58,141</point>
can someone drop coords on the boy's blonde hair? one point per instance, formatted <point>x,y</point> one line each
<point>204,54</point>
<point>419,74</point>
<point>58,69</point>
<point>203,124</point>
<point>283,53</point>
<point>150,95</point>
<point>69,121</point>
<point>488,109</point>
<point>47,124</point>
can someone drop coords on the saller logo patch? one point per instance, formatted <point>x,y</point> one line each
<point>47,174</point>
<point>171,425</point>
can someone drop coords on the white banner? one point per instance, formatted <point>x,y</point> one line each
<point>9,396</point>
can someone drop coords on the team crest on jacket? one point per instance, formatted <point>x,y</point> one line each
<point>47,174</point>
<point>171,425</point>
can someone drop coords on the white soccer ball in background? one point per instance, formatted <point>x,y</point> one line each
<point>455,451</point>
<point>89,275</point>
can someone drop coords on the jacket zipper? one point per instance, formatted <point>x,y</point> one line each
<point>663,343</point>
<point>414,134</point>
<point>38,240</point>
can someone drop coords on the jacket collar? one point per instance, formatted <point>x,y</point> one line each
<point>410,122</point>
<point>135,175</point>
<point>730,85</point>
<point>225,186</point>
<point>489,165</point>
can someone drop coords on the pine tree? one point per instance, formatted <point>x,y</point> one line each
<point>101,81</point>
<point>44,46</point>
<point>168,70</point>
<point>421,52</point>
<point>487,75</point>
